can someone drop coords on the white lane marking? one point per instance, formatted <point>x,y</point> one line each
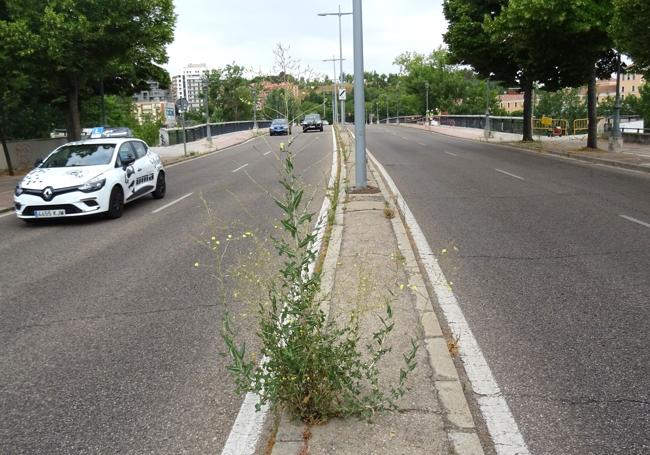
<point>247,429</point>
<point>11,212</point>
<point>634,220</point>
<point>422,144</point>
<point>452,154</point>
<point>172,203</point>
<point>240,168</point>
<point>508,173</point>
<point>267,153</point>
<point>494,407</point>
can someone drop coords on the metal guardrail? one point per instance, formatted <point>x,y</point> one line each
<point>194,133</point>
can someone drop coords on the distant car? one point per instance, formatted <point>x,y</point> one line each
<point>89,177</point>
<point>279,126</point>
<point>325,122</point>
<point>312,122</point>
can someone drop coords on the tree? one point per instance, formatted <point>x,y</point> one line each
<point>631,32</point>
<point>561,43</point>
<point>81,43</point>
<point>472,42</point>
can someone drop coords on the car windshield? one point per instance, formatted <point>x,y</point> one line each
<point>279,121</point>
<point>312,118</point>
<point>80,155</point>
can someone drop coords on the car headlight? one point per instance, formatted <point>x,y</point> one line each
<point>19,190</point>
<point>93,185</point>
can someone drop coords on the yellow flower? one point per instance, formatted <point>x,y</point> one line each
<point>229,236</point>
<point>401,286</point>
<point>444,251</point>
<point>214,238</point>
<point>218,242</point>
<point>196,264</point>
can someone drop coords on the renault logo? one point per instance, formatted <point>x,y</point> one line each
<point>48,193</point>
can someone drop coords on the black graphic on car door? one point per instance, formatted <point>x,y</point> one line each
<point>143,170</point>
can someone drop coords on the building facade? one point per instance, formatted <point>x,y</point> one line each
<point>189,84</point>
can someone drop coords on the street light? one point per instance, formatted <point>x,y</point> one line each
<point>208,133</point>
<point>334,113</point>
<point>426,113</point>
<point>487,132</point>
<point>359,99</point>
<point>339,14</point>
<point>615,139</point>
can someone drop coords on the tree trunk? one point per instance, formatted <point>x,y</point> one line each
<point>4,146</point>
<point>528,111</point>
<point>73,121</point>
<point>592,105</point>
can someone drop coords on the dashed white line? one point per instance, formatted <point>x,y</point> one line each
<point>634,220</point>
<point>240,168</point>
<point>452,154</point>
<point>172,203</point>
<point>422,144</point>
<point>508,173</point>
<point>267,153</point>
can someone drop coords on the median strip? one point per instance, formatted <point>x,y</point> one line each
<point>172,203</point>
<point>634,220</point>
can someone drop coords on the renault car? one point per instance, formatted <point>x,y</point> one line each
<point>90,177</point>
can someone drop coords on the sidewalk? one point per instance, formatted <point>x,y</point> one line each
<point>633,156</point>
<point>369,257</point>
<point>169,154</point>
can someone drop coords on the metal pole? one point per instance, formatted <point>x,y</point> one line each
<point>399,97</point>
<point>377,108</point>
<point>334,89</point>
<point>426,113</point>
<point>184,137</point>
<point>254,110</point>
<point>486,131</point>
<point>615,137</point>
<point>208,133</point>
<point>359,98</point>
<point>341,67</point>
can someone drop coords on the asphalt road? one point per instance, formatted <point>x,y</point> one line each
<point>553,280</point>
<point>110,333</point>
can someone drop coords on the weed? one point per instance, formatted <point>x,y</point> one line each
<point>311,367</point>
<point>389,212</point>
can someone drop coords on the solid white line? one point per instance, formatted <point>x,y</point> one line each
<point>634,220</point>
<point>496,412</point>
<point>240,167</point>
<point>7,214</point>
<point>172,203</point>
<point>267,153</point>
<point>508,173</point>
<point>452,154</point>
<point>246,430</point>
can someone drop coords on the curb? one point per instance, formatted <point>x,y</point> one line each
<point>461,431</point>
<point>572,155</point>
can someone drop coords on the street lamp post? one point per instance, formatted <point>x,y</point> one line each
<point>359,98</point>
<point>615,139</point>
<point>254,110</point>
<point>426,113</point>
<point>341,79</point>
<point>486,132</point>
<point>334,88</point>
<point>208,133</point>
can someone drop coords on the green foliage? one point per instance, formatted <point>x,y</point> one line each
<point>630,105</point>
<point>631,32</point>
<point>75,45</point>
<point>311,367</point>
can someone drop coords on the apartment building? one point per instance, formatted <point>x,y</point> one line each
<point>189,84</point>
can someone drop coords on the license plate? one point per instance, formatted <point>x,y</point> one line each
<point>49,213</point>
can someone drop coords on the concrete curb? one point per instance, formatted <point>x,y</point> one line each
<point>461,431</point>
<point>572,155</point>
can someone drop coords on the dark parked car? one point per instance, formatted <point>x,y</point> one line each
<point>279,126</point>
<point>312,122</point>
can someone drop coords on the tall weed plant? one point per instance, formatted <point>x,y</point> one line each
<point>311,367</point>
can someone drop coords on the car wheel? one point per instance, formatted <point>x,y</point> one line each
<point>115,203</point>
<point>161,186</point>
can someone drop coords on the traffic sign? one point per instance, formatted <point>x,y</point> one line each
<point>181,104</point>
<point>342,94</point>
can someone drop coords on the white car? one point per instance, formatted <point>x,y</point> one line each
<point>89,177</point>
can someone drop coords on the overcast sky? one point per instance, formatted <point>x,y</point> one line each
<point>218,32</point>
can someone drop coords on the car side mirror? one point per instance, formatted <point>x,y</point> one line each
<point>38,162</point>
<point>129,160</point>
